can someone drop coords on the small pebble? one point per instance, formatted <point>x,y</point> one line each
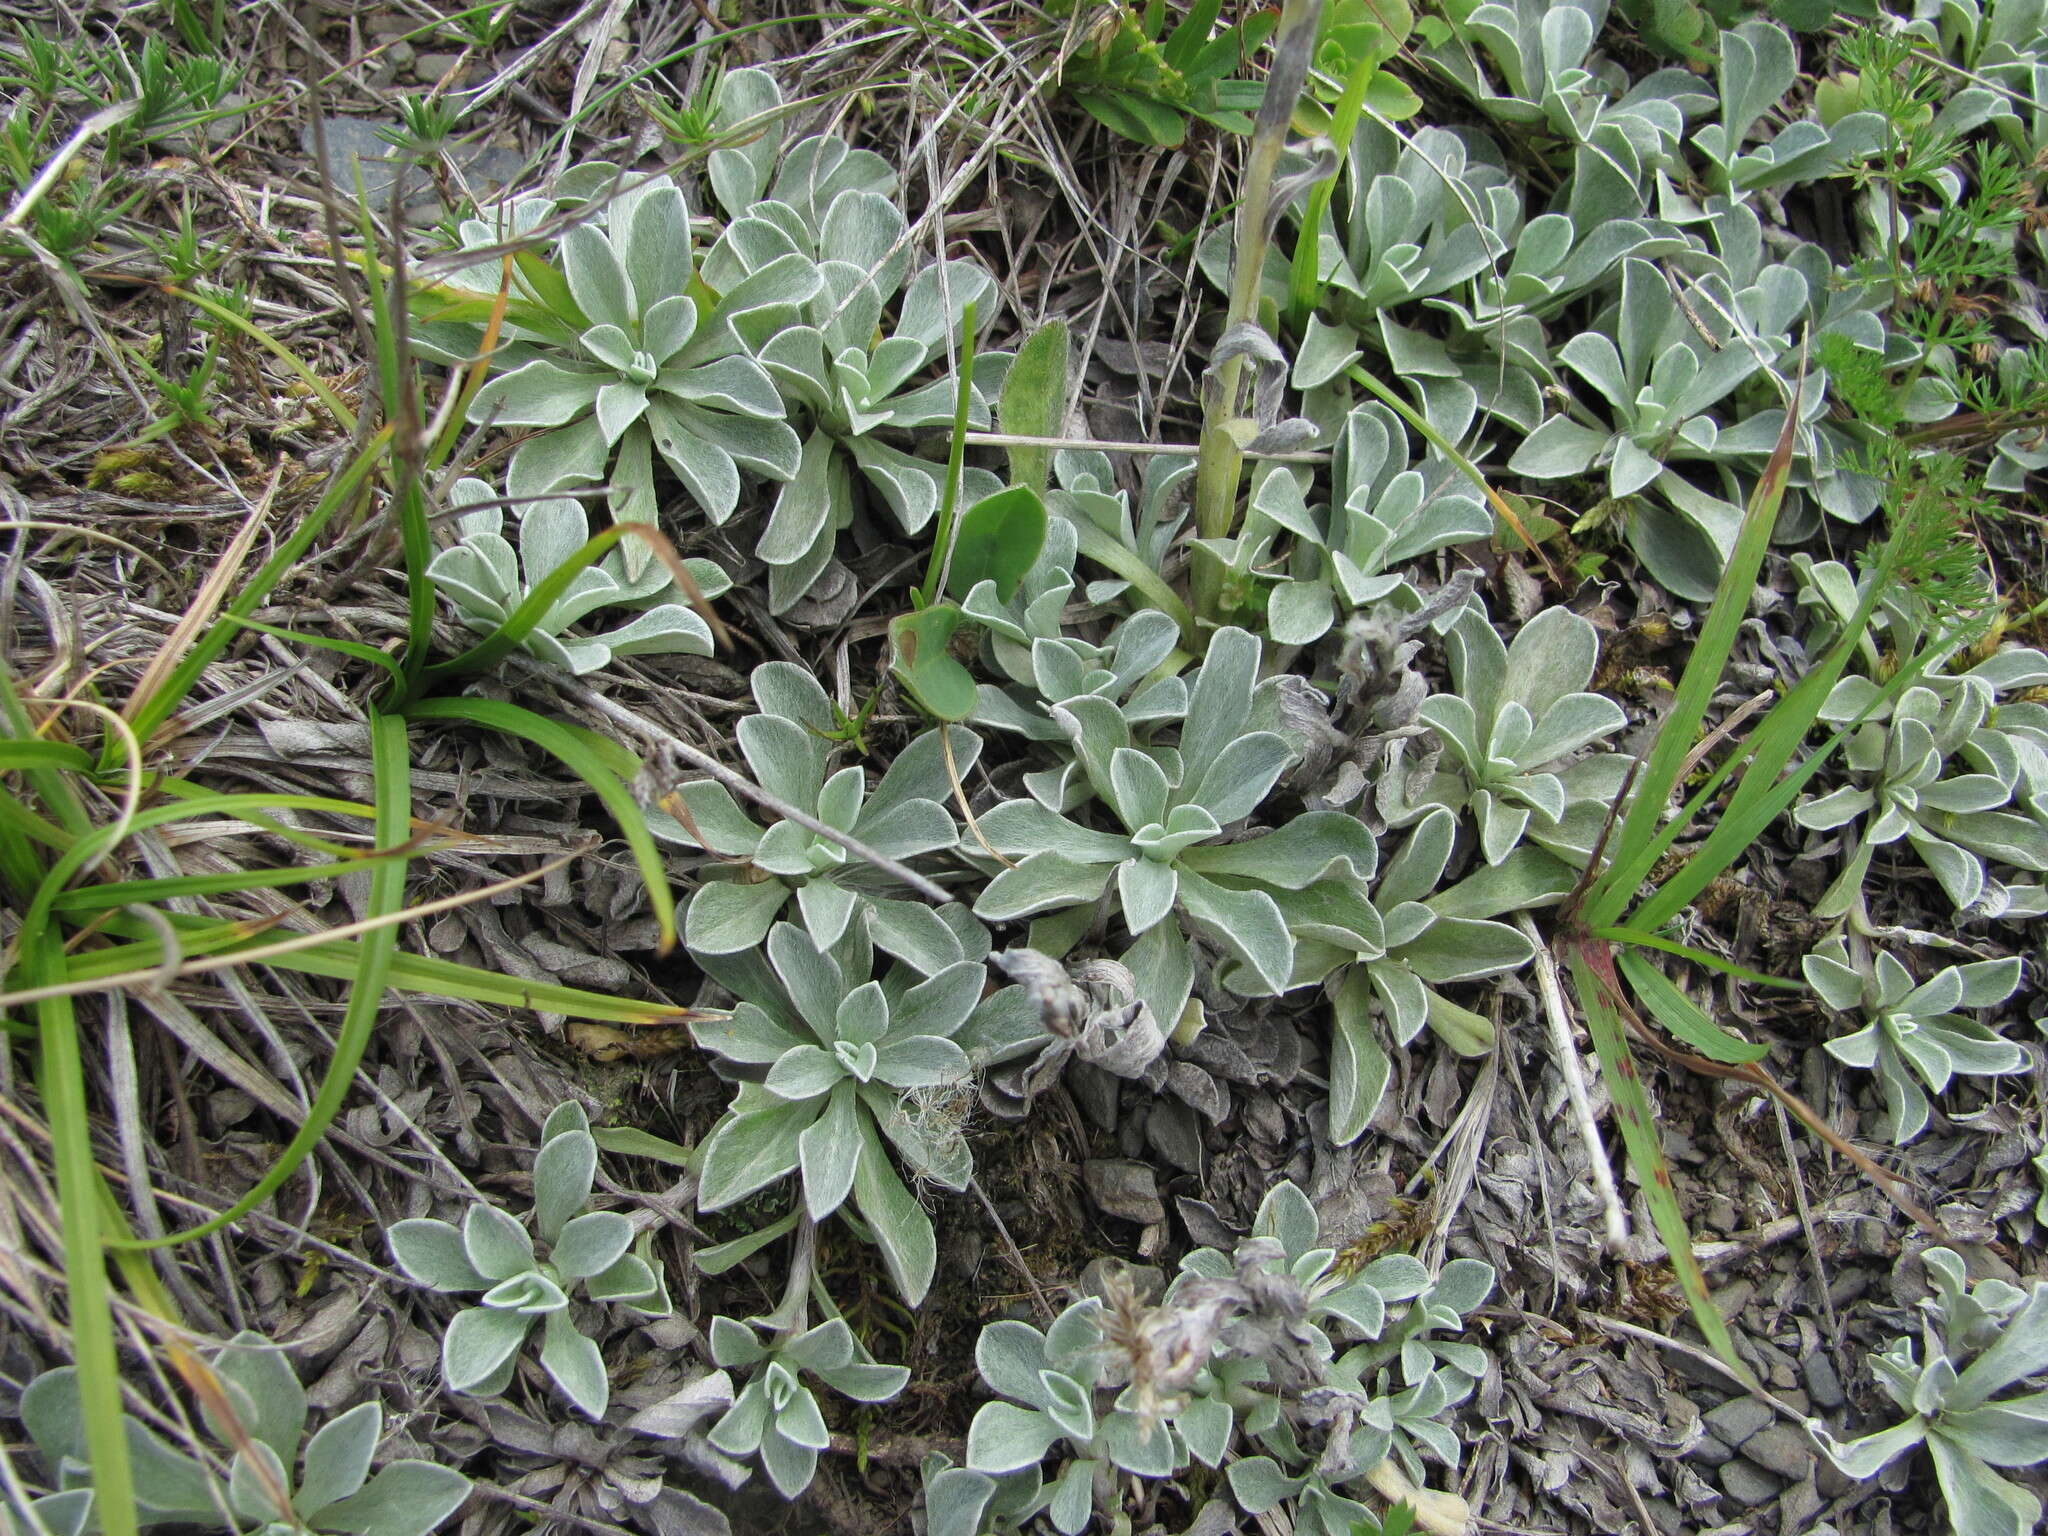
<point>1124,1188</point>
<point>1711,1452</point>
<point>1737,1419</point>
<point>1780,1448</point>
<point>428,68</point>
<point>1798,1505</point>
<point>1749,1486</point>
<point>1823,1381</point>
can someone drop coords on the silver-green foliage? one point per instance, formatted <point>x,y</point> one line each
<point>1390,955</point>
<point>326,1482</point>
<point>1663,384</point>
<point>764,872</point>
<point>776,1415</point>
<point>1941,776</point>
<point>1540,73</point>
<point>1169,860</point>
<point>1514,714</point>
<point>1383,513</point>
<point>487,579</point>
<point>1975,1342</point>
<point>1956,768</point>
<point>844,1066</point>
<point>1914,1034</point>
<point>1242,1355</point>
<point>848,383</point>
<point>653,367</point>
<point>494,1253</point>
<point>1759,63</point>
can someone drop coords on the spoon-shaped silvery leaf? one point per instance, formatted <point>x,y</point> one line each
<point>487,580</point>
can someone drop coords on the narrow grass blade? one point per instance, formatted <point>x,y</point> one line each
<point>408,445</point>
<point>1592,970</point>
<point>427,975</point>
<point>392,768</point>
<point>60,755</point>
<point>343,416</point>
<point>352,648</point>
<point>1647,940</point>
<point>941,559</point>
<point>1611,894</point>
<point>1679,1014</point>
<point>99,898</point>
<point>60,1078</point>
<point>1763,796</point>
<point>205,602</point>
<point>341,491</point>
<point>576,755</point>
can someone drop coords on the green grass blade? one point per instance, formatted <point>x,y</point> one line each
<point>290,550</point>
<point>941,558</point>
<point>60,1078</point>
<point>1762,798</point>
<point>401,400</point>
<point>313,382</point>
<point>1645,1149</point>
<point>1610,895</point>
<point>47,782</point>
<point>552,737</point>
<point>1304,271</point>
<point>46,755</point>
<point>374,951</point>
<point>354,648</point>
<point>99,898</point>
<point>1682,1016</point>
<point>339,959</point>
<point>1647,940</point>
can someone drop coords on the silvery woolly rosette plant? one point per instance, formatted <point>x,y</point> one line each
<point>1047,668</point>
<point>1048,1385</point>
<point>1514,714</point>
<point>1903,786</point>
<point>850,386</point>
<point>1550,81</point>
<point>1975,1341</point>
<point>775,1416</point>
<point>1663,383</point>
<point>487,579</point>
<point>763,872</point>
<point>1170,861</point>
<point>1389,956</point>
<point>325,1484</point>
<point>835,1069</point>
<point>493,1253</point>
<point>1915,1034</point>
<point>1383,513</point>
<point>1759,63</point>
<point>657,364</point>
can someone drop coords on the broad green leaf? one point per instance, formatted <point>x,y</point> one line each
<point>1034,404</point>
<point>921,659</point>
<point>998,540</point>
